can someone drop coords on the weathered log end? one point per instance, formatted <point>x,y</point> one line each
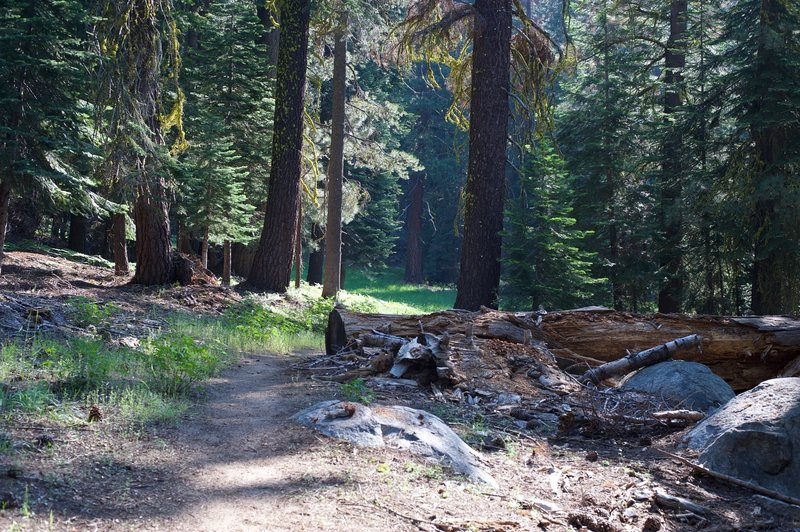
<point>335,336</point>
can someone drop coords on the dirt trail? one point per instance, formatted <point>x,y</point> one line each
<point>246,465</point>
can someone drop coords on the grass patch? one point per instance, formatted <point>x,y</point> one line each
<point>393,296</point>
<point>59,381</point>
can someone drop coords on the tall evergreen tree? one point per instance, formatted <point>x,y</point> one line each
<point>229,101</point>
<point>43,114</point>
<point>763,60</point>
<point>273,260</point>
<point>133,38</point>
<point>544,263</point>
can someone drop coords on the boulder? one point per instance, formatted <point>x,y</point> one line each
<point>416,431</point>
<point>755,437</point>
<point>688,385</point>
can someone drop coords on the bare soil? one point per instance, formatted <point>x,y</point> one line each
<point>237,461</point>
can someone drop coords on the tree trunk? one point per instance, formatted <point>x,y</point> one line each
<point>333,190</point>
<point>272,264</point>
<point>484,196</point>
<point>204,248</point>
<point>226,263</point>
<point>153,248</point>
<point>413,274</point>
<point>242,258</point>
<point>743,351</point>
<point>316,258</point>
<point>5,200</point>
<point>150,208</point>
<point>184,244</point>
<point>298,249</point>
<point>119,243</point>
<point>270,37</point>
<point>771,293</point>
<point>670,297</point>
<point>77,233</point>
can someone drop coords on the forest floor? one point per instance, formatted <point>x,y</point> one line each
<point>236,460</point>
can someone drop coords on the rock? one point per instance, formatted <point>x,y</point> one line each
<point>413,430</point>
<point>508,399</point>
<point>684,384</point>
<point>754,437</point>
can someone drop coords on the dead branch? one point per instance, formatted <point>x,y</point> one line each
<point>641,359</point>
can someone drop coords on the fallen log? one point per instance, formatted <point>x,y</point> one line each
<point>743,351</point>
<point>634,361</point>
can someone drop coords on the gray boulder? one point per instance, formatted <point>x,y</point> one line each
<point>684,384</point>
<point>416,431</point>
<point>755,437</point>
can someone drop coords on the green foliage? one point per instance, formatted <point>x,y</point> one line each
<point>545,263</point>
<point>229,106</point>
<point>357,390</point>
<point>386,286</point>
<point>86,312</point>
<point>176,362</point>
<point>45,149</point>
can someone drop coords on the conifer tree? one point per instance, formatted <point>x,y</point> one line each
<point>544,260</point>
<point>43,115</point>
<point>216,206</point>
<point>273,260</point>
<point>138,43</point>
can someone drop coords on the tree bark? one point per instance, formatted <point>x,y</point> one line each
<point>119,243</point>
<point>743,351</point>
<point>771,294</point>
<point>333,190</point>
<point>204,248</point>
<point>226,263</point>
<point>272,264</point>
<point>242,258</point>
<point>298,249</point>
<point>634,361</point>
<point>484,196</point>
<point>153,248</point>
<point>5,201</point>
<point>150,208</point>
<point>184,244</point>
<point>316,258</point>
<point>77,233</point>
<point>413,273</point>
<point>269,38</point>
<point>670,297</point>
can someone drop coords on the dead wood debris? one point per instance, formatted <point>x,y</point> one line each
<point>733,480</point>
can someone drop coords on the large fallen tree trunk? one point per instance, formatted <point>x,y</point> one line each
<point>743,351</point>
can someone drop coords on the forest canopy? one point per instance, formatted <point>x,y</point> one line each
<point>641,155</point>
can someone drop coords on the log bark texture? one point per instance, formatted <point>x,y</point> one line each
<point>744,351</point>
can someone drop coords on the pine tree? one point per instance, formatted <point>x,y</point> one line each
<point>138,44</point>
<point>229,101</point>
<point>545,265</point>
<point>217,208</point>
<point>273,260</point>
<point>607,128</point>
<point>44,146</point>
<point>763,81</point>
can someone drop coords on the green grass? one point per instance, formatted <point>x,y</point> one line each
<point>392,296</point>
<point>55,379</point>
